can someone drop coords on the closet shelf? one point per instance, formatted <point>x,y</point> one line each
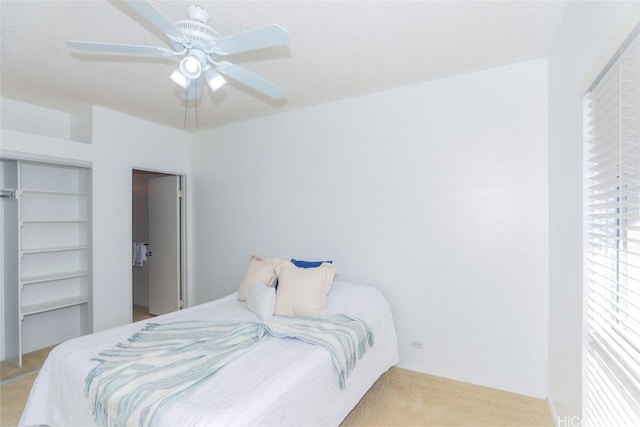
<point>53,192</point>
<point>54,221</point>
<point>53,277</point>
<point>49,250</point>
<point>28,310</point>
<point>47,259</point>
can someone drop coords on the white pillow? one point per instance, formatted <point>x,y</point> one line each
<point>261,300</point>
<point>303,291</point>
<point>262,269</point>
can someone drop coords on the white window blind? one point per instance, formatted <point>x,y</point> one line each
<point>612,277</point>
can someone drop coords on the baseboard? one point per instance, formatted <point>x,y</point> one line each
<point>547,399</point>
<point>536,394</point>
<point>19,377</point>
<point>552,409</point>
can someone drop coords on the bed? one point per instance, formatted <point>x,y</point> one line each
<point>276,382</point>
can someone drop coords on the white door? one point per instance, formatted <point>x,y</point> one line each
<point>164,244</point>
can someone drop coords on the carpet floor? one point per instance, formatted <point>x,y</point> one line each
<point>31,362</point>
<point>13,397</point>
<point>407,398</point>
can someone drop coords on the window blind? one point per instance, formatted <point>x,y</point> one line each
<point>612,274</point>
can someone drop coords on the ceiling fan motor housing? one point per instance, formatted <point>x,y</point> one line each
<point>198,13</point>
<point>199,36</point>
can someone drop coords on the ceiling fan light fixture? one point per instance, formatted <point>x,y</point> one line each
<point>190,67</point>
<point>214,79</point>
<point>198,47</point>
<point>180,79</point>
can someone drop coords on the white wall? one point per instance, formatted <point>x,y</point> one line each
<point>19,116</point>
<point>436,193</point>
<point>119,143</point>
<point>124,143</point>
<point>586,29</point>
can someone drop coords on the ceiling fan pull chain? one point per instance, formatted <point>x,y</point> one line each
<point>186,104</point>
<point>195,103</point>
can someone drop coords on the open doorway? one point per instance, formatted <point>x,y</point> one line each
<point>158,243</point>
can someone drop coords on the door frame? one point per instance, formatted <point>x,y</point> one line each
<point>184,265</point>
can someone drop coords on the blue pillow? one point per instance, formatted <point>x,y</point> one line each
<point>308,264</point>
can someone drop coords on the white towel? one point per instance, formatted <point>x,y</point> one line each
<point>139,253</point>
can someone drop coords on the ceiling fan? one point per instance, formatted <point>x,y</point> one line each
<point>200,47</point>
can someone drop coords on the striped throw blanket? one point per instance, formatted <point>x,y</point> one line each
<point>136,382</point>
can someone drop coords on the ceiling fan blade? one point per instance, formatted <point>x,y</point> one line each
<point>252,80</point>
<point>130,49</point>
<point>258,38</point>
<point>157,19</point>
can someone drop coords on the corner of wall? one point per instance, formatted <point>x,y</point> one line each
<point>552,410</point>
<point>81,127</point>
<point>587,29</point>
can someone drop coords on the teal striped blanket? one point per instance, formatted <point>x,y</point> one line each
<point>136,382</point>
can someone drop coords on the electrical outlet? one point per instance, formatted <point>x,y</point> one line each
<point>417,344</point>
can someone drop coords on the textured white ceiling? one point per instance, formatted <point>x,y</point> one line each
<point>338,49</point>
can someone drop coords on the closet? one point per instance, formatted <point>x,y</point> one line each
<point>46,213</point>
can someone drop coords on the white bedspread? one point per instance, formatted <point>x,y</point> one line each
<point>279,382</point>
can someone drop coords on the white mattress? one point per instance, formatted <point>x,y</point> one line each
<point>278,382</point>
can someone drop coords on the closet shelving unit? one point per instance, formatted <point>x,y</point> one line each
<point>53,259</point>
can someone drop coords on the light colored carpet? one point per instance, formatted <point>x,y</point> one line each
<point>399,398</point>
<point>16,384</point>
<point>407,398</point>
<point>30,362</point>
<point>141,313</point>
<point>13,397</point>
